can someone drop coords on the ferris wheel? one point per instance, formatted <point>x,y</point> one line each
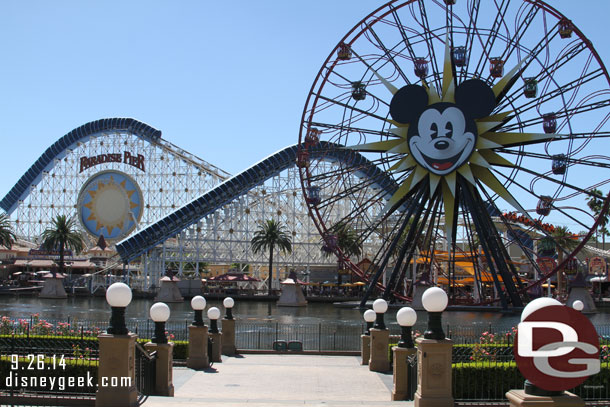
<point>490,121</point>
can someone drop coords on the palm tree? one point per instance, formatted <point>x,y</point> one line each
<point>563,240</point>
<point>269,235</point>
<point>62,235</point>
<point>7,237</point>
<point>348,242</point>
<point>595,202</point>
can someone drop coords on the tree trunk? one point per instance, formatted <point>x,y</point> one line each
<point>61,257</point>
<point>559,272</point>
<point>270,278</point>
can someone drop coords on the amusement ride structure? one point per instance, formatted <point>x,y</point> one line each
<point>446,134</point>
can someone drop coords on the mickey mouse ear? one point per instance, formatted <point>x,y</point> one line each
<point>475,98</point>
<point>408,103</point>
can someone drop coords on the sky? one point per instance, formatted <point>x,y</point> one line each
<point>226,81</point>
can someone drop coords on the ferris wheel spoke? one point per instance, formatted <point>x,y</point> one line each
<point>436,73</point>
<point>387,53</point>
<point>553,94</point>
<point>353,108</point>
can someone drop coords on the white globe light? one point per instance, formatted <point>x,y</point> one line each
<point>537,304</point>
<point>406,316</point>
<point>198,303</point>
<point>380,306</point>
<point>159,312</point>
<point>578,305</point>
<point>213,313</point>
<point>228,302</point>
<point>118,295</point>
<point>369,315</point>
<point>435,299</point>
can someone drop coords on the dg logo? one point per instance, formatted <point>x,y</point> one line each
<point>556,347</point>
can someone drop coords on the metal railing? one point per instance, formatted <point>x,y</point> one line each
<point>146,367</point>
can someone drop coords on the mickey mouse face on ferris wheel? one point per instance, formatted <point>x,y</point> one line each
<point>442,136</point>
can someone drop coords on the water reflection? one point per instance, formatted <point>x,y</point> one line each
<point>96,309</point>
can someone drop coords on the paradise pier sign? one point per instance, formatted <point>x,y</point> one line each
<point>135,160</point>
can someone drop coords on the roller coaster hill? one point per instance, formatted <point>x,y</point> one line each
<point>146,206</point>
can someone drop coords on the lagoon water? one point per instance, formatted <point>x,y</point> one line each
<point>96,309</point>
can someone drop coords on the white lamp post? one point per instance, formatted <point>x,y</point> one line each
<point>118,296</point>
<point>369,317</point>
<point>214,314</point>
<point>198,305</point>
<point>578,305</point>
<point>228,304</point>
<point>406,317</point>
<point>380,306</point>
<point>434,301</point>
<point>159,313</point>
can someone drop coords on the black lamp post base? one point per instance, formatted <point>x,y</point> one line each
<point>533,390</point>
<point>435,327</point>
<point>159,333</point>
<point>117,322</point>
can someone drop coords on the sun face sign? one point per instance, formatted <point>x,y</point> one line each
<point>110,204</point>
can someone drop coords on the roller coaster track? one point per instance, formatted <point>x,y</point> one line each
<point>171,224</point>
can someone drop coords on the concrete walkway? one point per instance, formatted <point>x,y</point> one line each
<point>281,380</point>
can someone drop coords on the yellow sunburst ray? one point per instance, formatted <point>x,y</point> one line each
<point>123,183</point>
<point>485,143</point>
<point>418,175</point>
<point>450,180</point>
<point>404,164</point>
<point>447,71</point>
<point>484,127</point>
<point>492,182</point>
<point>434,180</point>
<point>377,146</point>
<point>495,159</point>
<point>133,205</point>
<point>505,81</point>
<point>433,96</point>
<point>402,148</point>
<point>498,117</point>
<point>400,131</point>
<point>449,205</point>
<point>518,139</point>
<point>466,172</point>
<point>449,95</point>
<point>476,158</point>
<point>400,193</point>
<point>130,193</point>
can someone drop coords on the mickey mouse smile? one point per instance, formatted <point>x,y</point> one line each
<point>440,164</point>
<point>441,142</point>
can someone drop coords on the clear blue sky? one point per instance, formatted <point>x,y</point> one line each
<point>226,81</point>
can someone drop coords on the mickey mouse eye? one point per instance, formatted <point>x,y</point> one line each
<point>449,129</point>
<point>434,131</point>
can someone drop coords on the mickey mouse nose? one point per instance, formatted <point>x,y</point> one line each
<point>441,145</point>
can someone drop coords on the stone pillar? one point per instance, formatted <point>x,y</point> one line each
<point>366,349</point>
<point>433,373</point>
<point>216,347</point>
<point>402,373</point>
<point>518,398</point>
<point>228,337</point>
<point>117,364</point>
<point>380,342</point>
<point>164,381</point>
<point>198,348</point>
